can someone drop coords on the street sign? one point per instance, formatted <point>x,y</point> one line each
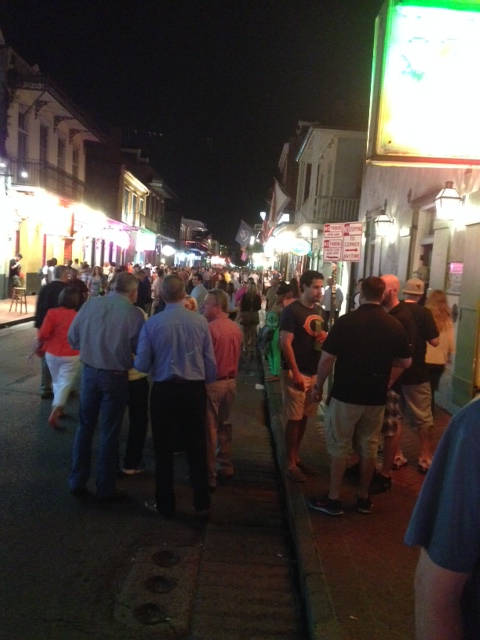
<point>342,241</point>
<point>332,249</point>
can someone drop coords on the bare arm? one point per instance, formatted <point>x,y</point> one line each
<point>325,366</point>
<point>286,339</point>
<point>437,601</point>
<point>398,367</point>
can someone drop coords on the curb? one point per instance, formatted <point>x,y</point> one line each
<point>12,323</point>
<point>321,619</point>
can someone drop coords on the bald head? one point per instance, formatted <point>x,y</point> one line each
<point>392,289</point>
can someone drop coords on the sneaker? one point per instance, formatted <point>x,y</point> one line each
<point>296,475</point>
<point>326,505</point>
<point>132,472</point>
<point>424,464</point>
<point>380,483</point>
<point>399,461</point>
<point>364,505</point>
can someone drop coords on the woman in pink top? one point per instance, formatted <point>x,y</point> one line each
<point>62,361</point>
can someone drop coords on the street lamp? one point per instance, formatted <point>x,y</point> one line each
<point>448,202</point>
<point>383,225</point>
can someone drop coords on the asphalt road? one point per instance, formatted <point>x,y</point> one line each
<point>60,561</point>
<point>71,571</point>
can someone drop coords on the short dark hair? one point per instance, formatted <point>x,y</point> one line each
<point>173,289</point>
<point>198,275</point>
<point>372,289</point>
<point>60,272</point>
<point>124,283</point>
<point>308,277</point>
<point>70,298</point>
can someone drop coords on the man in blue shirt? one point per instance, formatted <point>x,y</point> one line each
<point>175,347</point>
<point>446,525</point>
<point>106,331</point>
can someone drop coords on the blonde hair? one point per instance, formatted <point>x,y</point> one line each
<point>190,303</point>
<point>438,305</point>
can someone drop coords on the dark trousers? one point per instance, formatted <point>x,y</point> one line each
<point>138,422</point>
<point>178,411</point>
<point>435,372</point>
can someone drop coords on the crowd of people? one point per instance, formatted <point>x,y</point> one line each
<point>167,342</point>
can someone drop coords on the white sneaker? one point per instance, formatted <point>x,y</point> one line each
<point>132,472</point>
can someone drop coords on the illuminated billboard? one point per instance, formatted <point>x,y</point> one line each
<point>425,94</point>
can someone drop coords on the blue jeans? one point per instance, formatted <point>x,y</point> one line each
<point>103,393</point>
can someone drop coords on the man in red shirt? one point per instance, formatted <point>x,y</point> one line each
<point>227,343</point>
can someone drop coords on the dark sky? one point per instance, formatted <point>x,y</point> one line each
<point>224,82</point>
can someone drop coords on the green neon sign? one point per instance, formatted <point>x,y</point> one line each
<point>425,97</point>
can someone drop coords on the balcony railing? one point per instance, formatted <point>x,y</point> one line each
<point>48,176</point>
<point>331,209</point>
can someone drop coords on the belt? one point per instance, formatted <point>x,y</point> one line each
<point>226,378</point>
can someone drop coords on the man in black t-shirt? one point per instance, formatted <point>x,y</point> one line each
<point>416,390</point>
<point>364,345</point>
<point>301,336</point>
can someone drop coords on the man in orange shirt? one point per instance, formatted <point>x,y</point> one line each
<point>227,344</point>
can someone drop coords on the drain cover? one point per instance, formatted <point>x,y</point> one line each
<point>160,584</point>
<point>166,558</point>
<point>150,613</point>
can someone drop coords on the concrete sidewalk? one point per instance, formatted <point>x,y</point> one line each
<point>356,573</point>
<point>9,318</point>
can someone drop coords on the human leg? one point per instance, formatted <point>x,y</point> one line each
<point>340,421</point>
<point>82,445</point>
<point>298,407</point>
<point>212,429</point>
<point>138,422</point>
<point>367,435</point>
<point>418,403</point>
<point>193,417</point>
<point>164,414</point>
<point>224,449</point>
<point>114,395</point>
<point>45,380</point>
<point>435,372</point>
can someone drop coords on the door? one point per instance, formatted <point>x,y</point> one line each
<point>465,374</point>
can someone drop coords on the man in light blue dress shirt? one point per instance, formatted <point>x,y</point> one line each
<point>175,347</point>
<point>106,331</point>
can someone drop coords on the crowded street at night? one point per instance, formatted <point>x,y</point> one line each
<point>239,320</point>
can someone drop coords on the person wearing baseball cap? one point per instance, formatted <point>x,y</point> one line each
<point>415,385</point>
<point>414,287</point>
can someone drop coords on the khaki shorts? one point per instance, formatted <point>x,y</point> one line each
<point>298,403</point>
<point>353,425</point>
<point>417,405</point>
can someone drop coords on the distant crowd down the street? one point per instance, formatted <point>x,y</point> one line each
<point>167,343</point>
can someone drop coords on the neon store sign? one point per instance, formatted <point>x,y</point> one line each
<point>425,102</point>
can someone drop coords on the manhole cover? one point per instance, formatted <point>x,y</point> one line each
<point>150,613</point>
<point>166,558</point>
<point>160,584</point>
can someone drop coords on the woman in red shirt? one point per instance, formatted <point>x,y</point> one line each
<point>62,361</point>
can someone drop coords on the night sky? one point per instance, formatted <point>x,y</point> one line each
<point>224,83</point>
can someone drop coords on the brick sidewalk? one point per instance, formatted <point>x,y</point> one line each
<point>363,586</point>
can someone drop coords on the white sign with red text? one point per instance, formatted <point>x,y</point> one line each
<point>342,241</point>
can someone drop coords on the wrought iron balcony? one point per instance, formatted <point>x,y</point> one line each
<point>48,176</point>
<point>332,209</point>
